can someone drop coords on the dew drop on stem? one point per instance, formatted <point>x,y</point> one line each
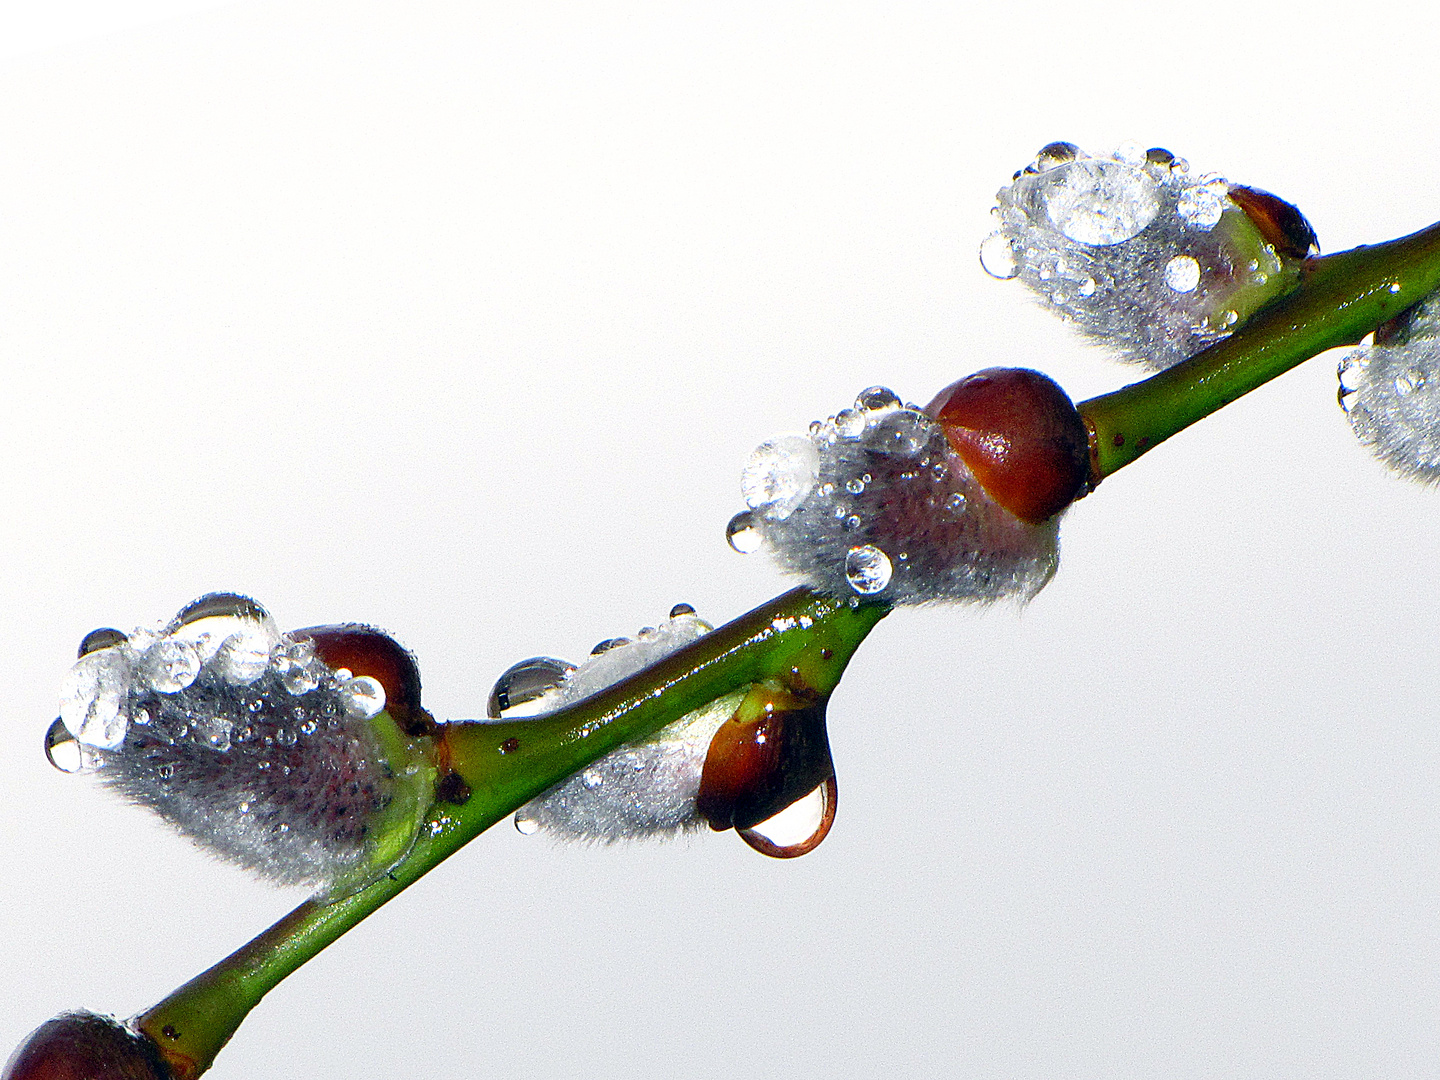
<point>521,688</point>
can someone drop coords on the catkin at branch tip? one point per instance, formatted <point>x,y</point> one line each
<point>1141,256</point>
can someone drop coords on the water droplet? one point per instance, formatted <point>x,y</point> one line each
<point>780,475</point>
<point>1201,205</point>
<point>742,534</point>
<point>300,672</point>
<point>868,569</point>
<point>1182,273</point>
<point>1098,202</point>
<point>903,433</point>
<point>850,423</point>
<point>681,609</point>
<point>1087,287</point>
<point>309,727</point>
<point>364,696</point>
<point>1054,154</point>
<point>169,666</point>
<point>799,828</point>
<point>855,485</point>
<point>609,643</point>
<point>998,257</point>
<point>1158,155</point>
<point>852,523</point>
<point>214,732</point>
<point>874,398</point>
<point>521,688</point>
<point>219,605</point>
<point>1404,384</point>
<point>104,638</point>
<point>166,771</point>
<point>592,779</point>
<point>282,828</point>
<point>66,752</point>
<point>1130,152</point>
<point>955,504</point>
<point>244,655</point>
<point>526,824</point>
<point>94,697</point>
<point>284,736</point>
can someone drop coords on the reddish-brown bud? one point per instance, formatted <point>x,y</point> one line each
<point>1020,435</point>
<point>1281,223</point>
<point>365,650</point>
<point>84,1046</point>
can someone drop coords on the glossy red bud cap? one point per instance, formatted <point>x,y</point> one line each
<point>84,1046</point>
<point>1020,435</point>
<point>1281,223</point>
<point>365,650</point>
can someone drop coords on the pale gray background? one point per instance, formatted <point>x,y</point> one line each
<point>460,318</point>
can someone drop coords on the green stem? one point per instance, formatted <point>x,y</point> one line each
<point>802,638</point>
<point>1341,298</point>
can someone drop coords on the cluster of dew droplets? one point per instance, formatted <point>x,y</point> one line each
<point>1142,256</point>
<point>873,502</point>
<point>238,735</point>
<point>646,788</point>
<point>1390,390</point>
<point>216,645</point>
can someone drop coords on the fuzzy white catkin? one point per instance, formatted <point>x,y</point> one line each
<point>236,735</point>
<point>1392,395</point>
<point>875,503</point>
<point>646,788</point>
<point>1139,255</point>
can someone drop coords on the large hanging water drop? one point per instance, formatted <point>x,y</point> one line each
<point>799,828</point>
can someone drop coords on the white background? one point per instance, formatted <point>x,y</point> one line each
<point>461,318</point>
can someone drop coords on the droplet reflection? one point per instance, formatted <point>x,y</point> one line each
<point>799,828</point>
<point>64,751</point>
<point>521,689</point>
